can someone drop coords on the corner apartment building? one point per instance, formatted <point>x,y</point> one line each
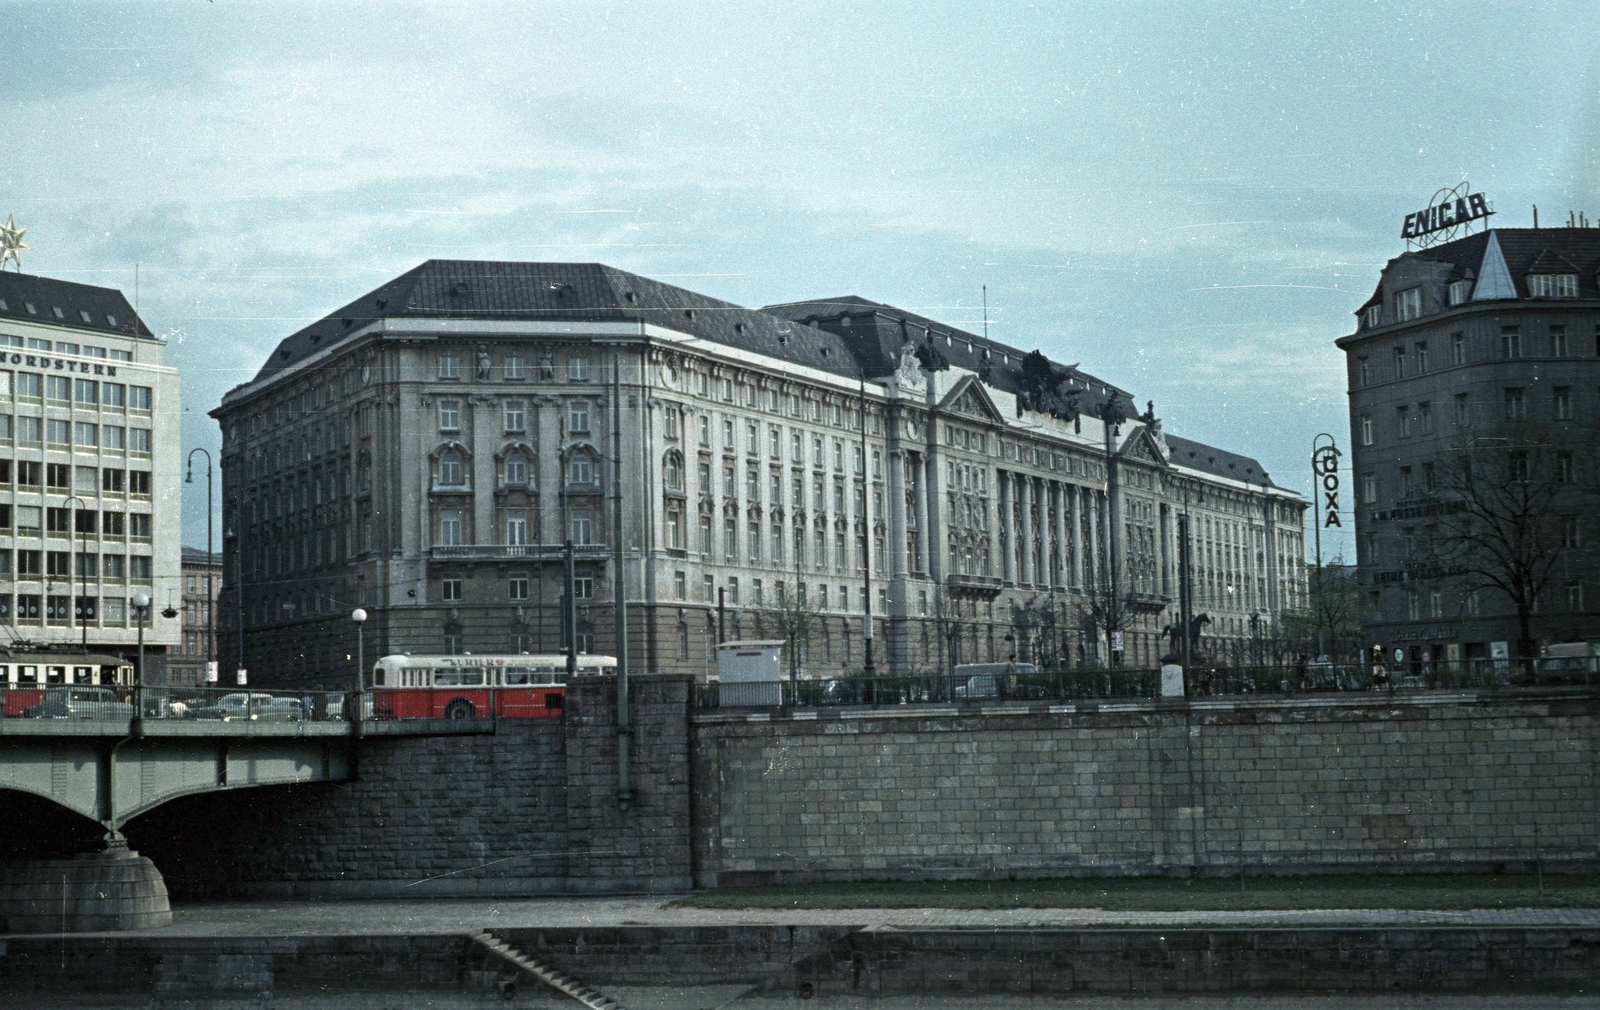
<point>1478,358</point>
<point>425,451</point>
<point>89,502</point>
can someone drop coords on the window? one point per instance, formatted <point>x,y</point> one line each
<point>449,366</point>
<point>516,468</point>
<point>672,472</point>
<point>58,435</point>
<point>705,477</point>
<point>1458,348</point>
<point>1562,397</point>
<point>1403,421</point>
<point>1363,371</point>
<point>708,589</point>
<point>29,431</point>
<point>517,587</point>
<point>515,415</point>
<point>1369,488</point>
<point>86,392</point>
<point>516,527</point>
<point>58,389</point>
<point>752,442</point>
<point>57,476</point>
<point>754,537</point>
<point>1510,342</point>
<point>112,394</point>
<point>449,415</point>
<point>1516,403</point>
<point>582,526</point>
<point>1405,482</point>
<point>1564,473</point>
<point>752,484</point>
<point>1553,285</point>
<point>1408,304</point>
<point>670,422</point>
<point>1463,410</point>
<point>1428,485</point>
<point>1518,466</point>
<point>705,430</point>
<point>1571,537</point>
<point>797,454</point>
<point>1425,417</point>
<point>1399,362</point>
<point>774,442</point>
<point>727,433</point>
<point>730,539</point>
<point>513,367</point>
<point>139,483</point>
<point>450,527</point>
<point>1372,317</point>
<point>1558,341</point>
<point>578,416</point>
<point>582,470</point>
<point>1422,357</point>
<point>577,369</point>
<point>680,585</point>
<point>450,590</point>
<point>674,528</point>
<point>111,481</point>
<point>113,438</point>
<point>450,468</point>
<point>1460,291</point>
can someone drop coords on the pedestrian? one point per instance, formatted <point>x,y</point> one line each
<point>1380,672</point>
<point>1009,680</point>
<point>1302,674</point>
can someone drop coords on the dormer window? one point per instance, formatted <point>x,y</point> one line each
<point>1372,317</point>
<point>1460,291</point>
<point>1553,285</point>
<point>1408,304</point>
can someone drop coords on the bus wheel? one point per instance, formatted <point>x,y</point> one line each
<point>461,708</point>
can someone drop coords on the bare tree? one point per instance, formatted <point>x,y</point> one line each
<point>794,617</point>
<point>1504,513</point>
<point>1330,617</point>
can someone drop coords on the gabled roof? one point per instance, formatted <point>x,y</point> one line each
<point>968,397</point>
<point>107,308</point>
<point>1494,276</point>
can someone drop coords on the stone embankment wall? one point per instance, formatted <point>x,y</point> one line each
<point>529,809</point>
<point>1380,782</point>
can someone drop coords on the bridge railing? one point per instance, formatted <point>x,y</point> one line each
<point>1199,682</point>
<point>112,702</point>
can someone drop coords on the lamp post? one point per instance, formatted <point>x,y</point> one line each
<point>360,617</point>
<point>83,553</point>
<point>141,603</point>
<point>211,607</point>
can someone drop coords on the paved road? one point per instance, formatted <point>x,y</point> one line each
<point>312,918</point>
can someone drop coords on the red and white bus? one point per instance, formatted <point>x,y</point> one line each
<point>471,687</point>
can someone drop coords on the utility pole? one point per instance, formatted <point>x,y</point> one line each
<point>619,584</point>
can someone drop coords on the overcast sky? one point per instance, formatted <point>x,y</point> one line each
<point>1190,199</point>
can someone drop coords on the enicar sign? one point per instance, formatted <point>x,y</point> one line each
<point>1449,209</point>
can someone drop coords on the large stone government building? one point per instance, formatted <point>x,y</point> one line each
<point>1474,376</point>
<point>88,471</point>
<point>424,452</point>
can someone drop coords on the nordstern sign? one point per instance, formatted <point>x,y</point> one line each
<point>1448,210</point>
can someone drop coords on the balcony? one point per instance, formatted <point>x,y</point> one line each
<point>523,552</point>
<point>975,585</point>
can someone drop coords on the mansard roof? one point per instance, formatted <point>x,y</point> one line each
<point>108,308</point>
<point>1218,462</point>
<point>1523,251</point>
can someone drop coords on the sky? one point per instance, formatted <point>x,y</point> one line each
<point>1189,199</point>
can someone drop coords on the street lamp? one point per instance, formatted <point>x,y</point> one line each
<point>141,603</point>
<point>83,554</point>
<point>211,606</point>
<point>360,617</point>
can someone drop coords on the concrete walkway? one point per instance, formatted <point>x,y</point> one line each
<point>350,918</point>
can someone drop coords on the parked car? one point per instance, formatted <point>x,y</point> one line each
<point>79,702</point>
<point>252,706</point>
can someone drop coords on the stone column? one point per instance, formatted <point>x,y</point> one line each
<point>1025,497</point>
<point>1006,538</point>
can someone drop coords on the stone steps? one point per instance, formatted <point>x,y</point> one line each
<point>587,995</point>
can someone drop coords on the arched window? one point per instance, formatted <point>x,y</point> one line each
<point>672,472</point>
<point>450,468</point>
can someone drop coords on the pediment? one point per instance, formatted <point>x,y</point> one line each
<point>969,397</point>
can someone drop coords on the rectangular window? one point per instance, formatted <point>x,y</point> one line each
<point>1458,348</point>
<point>449,366</point>
<point>752,443</point>
<point>29,431</point>
<point>58,389</point>
<point>517,587</point>
<point>1562,396</point>
<point>1516,403</point>
<point>450,590</point>
<point>577,369</point>
<point>1399,362</point>
<point>113,438</point>
<point>86,392</point>
<point>578,416</point>
<point>1460,291</point>
<point>57,476</point>
<point>708,589</point>
<point>1408,304</point>
<point>1463,410</point>
<point>139,567</point>
<point>680,585</point>
<point>515,415</point>
<point>1369,488</point>
<point>1510,342</point>
<point>513,368</point>
<point>730,539</point>
<point>774,442</point>
<point>674,529</point>
<point>85,435</point>
<point>139,483</point>
<point>727,433</point>
<point>449,415</point>
<point>113,394</point>
<point>753,535</point>
<point>58,435</point>
<point>111,481</point>
<point>1558,341</point>
<point>516,527</point>
<point>582,526</point>
<point>1564,473</point>
<point>1422,357</point>
<point>1425,417</point>
<point>450,527</point>
<point>1363,371</point>
<point>1403,421</point>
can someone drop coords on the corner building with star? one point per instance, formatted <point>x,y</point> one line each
<point>425,451</point>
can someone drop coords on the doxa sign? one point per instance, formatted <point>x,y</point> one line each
<point>1446,214</point>
<point>1325,464</point>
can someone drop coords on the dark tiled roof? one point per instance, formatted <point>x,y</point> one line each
<point>47,295</point>
<point>1526,250</point>
<point>877,331</point>
<point>469,289</point>
<point>196,556</point>
<point>1221,462</point>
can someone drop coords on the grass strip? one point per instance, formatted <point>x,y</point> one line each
<point>1171,894</point>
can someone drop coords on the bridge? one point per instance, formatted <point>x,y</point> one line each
<point>112,754</point>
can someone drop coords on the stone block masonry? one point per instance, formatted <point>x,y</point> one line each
<point>1378,783</point>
